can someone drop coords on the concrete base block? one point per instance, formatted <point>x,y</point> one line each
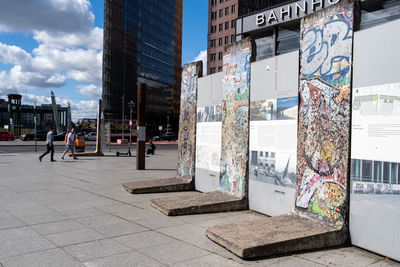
<point>199,203</point>
<point>276,236</point>
<point>175,184</point>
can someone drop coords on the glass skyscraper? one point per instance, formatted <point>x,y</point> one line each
<point>143,44</point>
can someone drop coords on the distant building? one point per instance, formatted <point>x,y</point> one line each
<point>143,44</point>
<point>222,15</point>
<point>44,116</point>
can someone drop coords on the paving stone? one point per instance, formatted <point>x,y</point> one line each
<point>57,227</point>
<point>9,221</point>
<point>118,229</point>
<point>96,249</point>
<point>125,260</point>
<point>95,221</point>
<point>74,237</point>
<point>144,239</point>
<point>13,247</point>
<point>47,258</point>
<point>209,260</point>
<point>43,218</point>
<point>82,212</point>
<point>173,252</point>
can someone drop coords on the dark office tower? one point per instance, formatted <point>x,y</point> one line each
<point>221,25</point>
<point>143,44</point>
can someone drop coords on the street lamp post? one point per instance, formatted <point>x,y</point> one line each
<point>131,105</point>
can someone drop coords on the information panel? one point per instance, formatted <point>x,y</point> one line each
<point>273,134</point>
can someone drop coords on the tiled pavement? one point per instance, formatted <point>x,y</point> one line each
<point>75,213</point>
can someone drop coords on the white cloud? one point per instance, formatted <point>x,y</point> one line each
<point>203,57</point>
<point>46,15</point>
<point>92,39</point>
<point>90,90</point>
<point>69,47</point>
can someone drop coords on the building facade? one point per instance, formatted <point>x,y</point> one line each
<point>222,15</point>
<point>143,44</point>
<point>44,117</point>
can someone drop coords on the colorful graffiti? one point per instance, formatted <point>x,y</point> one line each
<point>235,118</point>
<point>324,116</point>
<point>187,120</point>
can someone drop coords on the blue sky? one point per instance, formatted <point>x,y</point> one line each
<point>57,45</point>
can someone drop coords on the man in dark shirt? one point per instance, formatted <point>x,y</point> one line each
<point>49,145</point>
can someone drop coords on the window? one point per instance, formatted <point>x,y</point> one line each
<point>221,28</point>
<point>214,2</point>
<point>233,9</point>
<point>221,1</point>
<point>366,170</point>
<point>393,173</point>
<point>288,40</point>
<point>261,154</point>
<point>214,15</point>
<point>226,11</point>
<point>212,70</point>
<point>220,68</point>
<point>212,43</point>
<point>226,39</point>
<point>213,29</point>
<point>233,38</point>
<point>212,57</point>
<point>227,25</point>
<point>377,171</point>
<point>221,13</point>
<point>355,169</point>
<point>386,171</point>
<point>219,41</point>
<point>220,56</point>
<point>233,23</point>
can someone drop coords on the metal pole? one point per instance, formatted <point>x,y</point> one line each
<point>123,115</point>
<point>99,149</point>
<point>131,104</point>
<point>141,127</point>
<point>34,121</point>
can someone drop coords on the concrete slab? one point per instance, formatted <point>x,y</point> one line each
<point>159,186</point>
<point>197,203</point>
<point>276,236</point>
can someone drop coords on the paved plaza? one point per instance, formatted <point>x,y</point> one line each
<point>75,213</point>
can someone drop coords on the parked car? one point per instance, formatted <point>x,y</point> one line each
<point>40,136</point>
<point>91,136</point>
<point>169,136</point>
<point>60,136</point>
<point>6,136</point>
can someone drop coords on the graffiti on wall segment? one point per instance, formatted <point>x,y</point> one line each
<point>324,114</point>
<point>235,118</point>
<point>187,119</point>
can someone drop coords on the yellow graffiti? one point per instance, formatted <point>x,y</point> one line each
<point>328,150</point>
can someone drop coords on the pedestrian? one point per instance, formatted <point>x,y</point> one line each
<point>70,144</point>
<point>151,148</point>
<point>49,145</point>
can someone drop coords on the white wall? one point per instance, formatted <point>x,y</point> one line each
<point>208,134</point>
<point>375,214</point>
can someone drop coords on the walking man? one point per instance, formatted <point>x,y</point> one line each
<point>49,145</point>
<point>70,144</point>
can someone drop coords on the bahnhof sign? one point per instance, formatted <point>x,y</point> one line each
<point>276,30</point>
